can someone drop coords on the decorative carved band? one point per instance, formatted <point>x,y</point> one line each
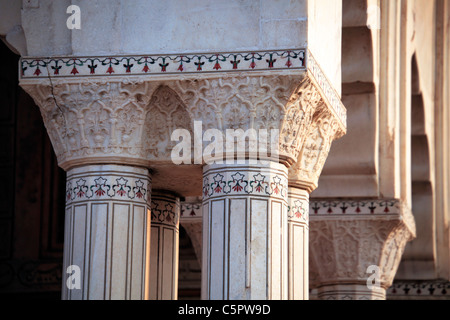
<point>101,66</point>
<point>329,93</point>
<point>355,207</point>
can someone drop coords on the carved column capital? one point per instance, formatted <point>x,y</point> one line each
<point>324,129</point>
<point>284,102</point>
<point>348,237</point>
<point>129,116</point>
<point>94,121</point>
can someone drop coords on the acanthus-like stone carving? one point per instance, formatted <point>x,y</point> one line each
<point>94,121</point>
<point>342,248</point>
<point>100,120</point>
<point>324,129</point>
<point>165,113</point>
<point>284,103</point>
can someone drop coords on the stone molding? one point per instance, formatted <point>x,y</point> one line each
<point>350,292</point>
<point>359,207</point>
<point>344,245</point>
<point>129,118</point>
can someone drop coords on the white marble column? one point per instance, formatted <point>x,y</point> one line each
<point>165,217</point>
<point>244,235</point>
<point>107,225</point>
<point>298,244</point>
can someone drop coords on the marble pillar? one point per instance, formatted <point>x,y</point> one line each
<point>165,219</point>
<point>107,225</point>
<point>244,232</point>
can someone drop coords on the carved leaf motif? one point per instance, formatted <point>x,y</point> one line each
<point>97,124</point>
<point>268,116</point>
<point>112,117</point>
<point>236,114</point>
<point>166,112</point>
<point>128,123</point>
<point>156,132</point>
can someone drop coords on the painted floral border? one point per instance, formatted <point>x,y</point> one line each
<point>354,207</point>
<point>436,288</point>
<point>298,211</point>
<point>164,212</point>
<point>98,188</point>
<point>216,185</point>
<point>58,67</point>
<point>190,210</point>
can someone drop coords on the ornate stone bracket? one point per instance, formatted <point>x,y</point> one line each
<point>348,237</point>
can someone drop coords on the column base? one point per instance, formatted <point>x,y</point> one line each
<point>350,292</point>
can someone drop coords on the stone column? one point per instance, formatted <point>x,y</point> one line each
<point>96,132</point>
<point>298,244</point>
<point>245,232</point>
<point>165,216</point>
<point>106,233</point>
